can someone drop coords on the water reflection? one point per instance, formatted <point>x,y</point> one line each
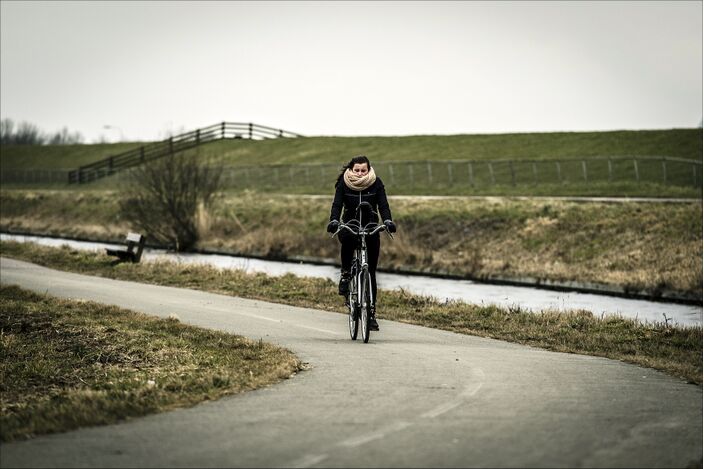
<point>532,299</point>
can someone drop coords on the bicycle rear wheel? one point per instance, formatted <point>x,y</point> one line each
<point>353,316</point>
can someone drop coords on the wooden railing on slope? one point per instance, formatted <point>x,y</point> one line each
<point>185,141</point>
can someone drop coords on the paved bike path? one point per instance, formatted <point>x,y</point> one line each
<point>412,397</point>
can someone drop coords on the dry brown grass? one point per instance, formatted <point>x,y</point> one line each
<point>642,246</point>
<point>67,364</point>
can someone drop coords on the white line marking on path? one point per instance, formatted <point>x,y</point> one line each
<point>319,330</point>
<point>381,433</point>
<point>441,409</point>
<point>257,316</point>
<point>448,406</point>
<point>309,460</point>
<point>466,394</point>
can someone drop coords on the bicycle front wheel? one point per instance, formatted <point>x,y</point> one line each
<point>365,302</point>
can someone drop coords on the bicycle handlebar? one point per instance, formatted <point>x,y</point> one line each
<point>362,231</point>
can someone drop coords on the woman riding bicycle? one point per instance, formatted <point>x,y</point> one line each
<point>358,183</point>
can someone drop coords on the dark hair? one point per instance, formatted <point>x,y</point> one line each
<point>356,160</point>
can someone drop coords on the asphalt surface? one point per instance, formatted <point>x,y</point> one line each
<point>412,397</point>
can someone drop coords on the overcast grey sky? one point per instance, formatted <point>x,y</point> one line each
<point>351,68</point>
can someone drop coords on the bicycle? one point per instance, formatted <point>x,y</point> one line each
<point>360,299</point>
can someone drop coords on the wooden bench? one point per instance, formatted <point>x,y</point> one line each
<point>133,251</point>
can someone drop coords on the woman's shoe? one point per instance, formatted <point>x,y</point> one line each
<point>373,325</point>
<point>344,287</point>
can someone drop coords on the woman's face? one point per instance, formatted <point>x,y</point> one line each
<point>360,169</point>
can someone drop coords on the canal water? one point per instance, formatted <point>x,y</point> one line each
<point>527,298</point>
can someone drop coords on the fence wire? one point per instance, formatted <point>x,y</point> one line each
<point>435,175</point>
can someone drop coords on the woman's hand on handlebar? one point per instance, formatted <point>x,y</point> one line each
<point>390,226</point>
<point>379,228</point>
<point>332,226</point>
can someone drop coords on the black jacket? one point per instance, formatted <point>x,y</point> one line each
<point>350,199</point>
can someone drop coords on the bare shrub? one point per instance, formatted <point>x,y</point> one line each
<point>167,199</point>
<point>27,133</point>
<point>64,137</point>
<point>7,131</point>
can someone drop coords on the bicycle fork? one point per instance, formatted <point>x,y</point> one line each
<point>361,287</point>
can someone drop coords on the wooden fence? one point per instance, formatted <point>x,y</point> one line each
<point>181,142</point>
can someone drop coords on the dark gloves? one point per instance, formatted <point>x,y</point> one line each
<point>332,226</point>
<point>390,225</point>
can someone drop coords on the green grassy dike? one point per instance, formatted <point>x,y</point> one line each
<point>66,364</point>
<point>327,153</point>
<point>676,351</point>
<point>678,143</point>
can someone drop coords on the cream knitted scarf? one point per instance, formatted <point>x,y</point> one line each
<point>357,183</point>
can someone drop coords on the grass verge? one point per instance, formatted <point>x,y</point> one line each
<point>651,247</point>
<point>66,364</point>
<point>676,351</point>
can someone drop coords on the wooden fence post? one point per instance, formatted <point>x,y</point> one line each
<point>584,170</point>
<point>430,173</point>
<point>635,167</point>
<point>250,131</point>
<point>610,171</point>
<point>513,173</point>
<point>222,130</point>
<point>694,175</point>
<point>197,136</point>
<point>491,172</point>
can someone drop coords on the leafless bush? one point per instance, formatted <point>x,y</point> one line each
<point>7,127</point>
<point>64,137</point>
<point>168,198</point>
<point>26,133</point>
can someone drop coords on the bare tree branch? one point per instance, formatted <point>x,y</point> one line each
<point>165,195</point>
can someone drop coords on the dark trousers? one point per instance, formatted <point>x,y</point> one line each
<point>349,243</point>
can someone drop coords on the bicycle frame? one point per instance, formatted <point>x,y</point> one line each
<point>362,268</point>
<point>362,300</point>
